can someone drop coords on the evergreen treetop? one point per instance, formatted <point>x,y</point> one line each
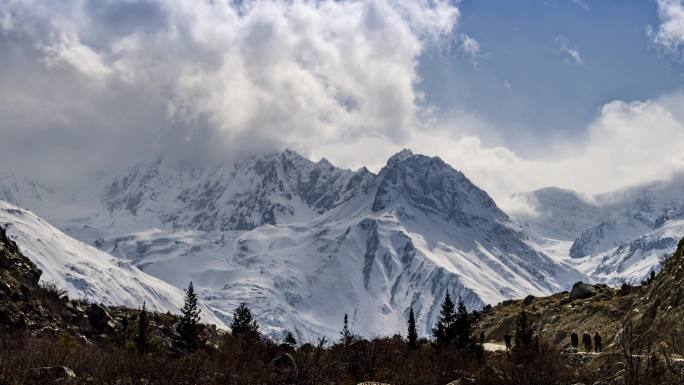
<point>290,339</point>
<point>444,330</point>
<point>243,322</point>
<point>141,338</point>
<point>412,332</point>
<point>347,335</point>
<point>188,327</point>
<point>463,327</point>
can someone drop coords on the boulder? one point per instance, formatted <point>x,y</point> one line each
<point>51,373</point>
<point>582,290</point>
<point>285,362</point>
<point>99,317</point>
<point>559,336</point>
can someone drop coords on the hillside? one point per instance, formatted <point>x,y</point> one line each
<point>652,311</point>
<point>87,273</point>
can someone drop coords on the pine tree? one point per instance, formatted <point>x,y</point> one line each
<point>141,338</point>
<point>347,335</point>
<point>463,327</point>
<point>188,328</point>
<point>243,323</point>
<point>412,332</point>
<point>524,336</point>
<point>444,330</point>
<point>290,340</point>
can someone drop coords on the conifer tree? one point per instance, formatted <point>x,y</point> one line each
<point>444,330</point>
<point>524,335</point>
<point>243,323</point>
<point>347,335</point>
<point>290,339</point>
<point>412,332</point>
<point>463,327</point>
<point>188,328</point>
<point>141,338</point>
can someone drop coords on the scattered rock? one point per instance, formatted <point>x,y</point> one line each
<point>582,290</point>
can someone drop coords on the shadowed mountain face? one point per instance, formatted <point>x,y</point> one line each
<point>305,242</point>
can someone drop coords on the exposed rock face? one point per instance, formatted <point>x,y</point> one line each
<point>18,284</point>
<point>582,290</point>
<point>278,188</point>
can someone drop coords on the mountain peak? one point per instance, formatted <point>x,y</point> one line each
<point>401,155</point>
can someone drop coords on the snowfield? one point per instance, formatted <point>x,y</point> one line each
<point>88,273</point>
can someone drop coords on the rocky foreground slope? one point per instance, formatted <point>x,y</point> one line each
<point>651,313</point>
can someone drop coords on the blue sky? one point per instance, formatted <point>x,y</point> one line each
<point>522,81</point>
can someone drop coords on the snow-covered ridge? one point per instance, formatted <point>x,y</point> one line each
<point>278,188</point>
<point>615,236</point>
<point>86,272</point>
<point>305,242</point>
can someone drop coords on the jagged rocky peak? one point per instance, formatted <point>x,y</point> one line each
<point>433,186</point>
<point>399,156</point>
<point>275,188</point>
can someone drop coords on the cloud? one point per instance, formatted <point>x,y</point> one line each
<point>470,47</point>
<point>627,143</point>
<point>670,33</point>
<point>565,47</point>
<point>97,84</point>
<point>68,50</point>
<point>581,4</point>
<point>90,86</point>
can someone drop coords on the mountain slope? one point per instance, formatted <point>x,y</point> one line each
<point>86,272</point>
<point>277,188</point>
<point>400,239</point>
<point>304,242</point>
<point>612,237</point>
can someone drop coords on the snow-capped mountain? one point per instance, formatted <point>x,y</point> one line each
<point>612,237</point>
<point>278,188</point>
<point>305,242</point>
<point>86,272</point>
<point>400,240</point>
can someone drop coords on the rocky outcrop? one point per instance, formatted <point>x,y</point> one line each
<point>582,290</point>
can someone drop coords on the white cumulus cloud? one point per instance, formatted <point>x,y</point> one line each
<point>210,77</point>
<point>670,33</point>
